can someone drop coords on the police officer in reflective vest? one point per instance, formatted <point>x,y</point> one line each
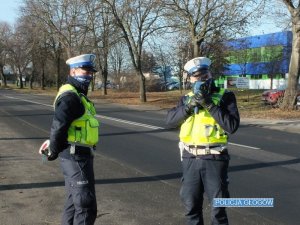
<point>74,135</point>
<point>206,116</point>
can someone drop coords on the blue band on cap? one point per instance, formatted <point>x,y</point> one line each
<point>203,66</point>
<point>82,64</point>
<point>197,68</point>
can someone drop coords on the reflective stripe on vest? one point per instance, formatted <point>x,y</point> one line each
<point>202,128</point>
<point>84,130</point>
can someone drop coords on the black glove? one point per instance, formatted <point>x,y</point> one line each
<point>204,100</point>
<point>52,156</point>
<point>189,107</point>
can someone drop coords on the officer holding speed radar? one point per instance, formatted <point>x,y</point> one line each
<point>74,135</point>
<point>206,116</point>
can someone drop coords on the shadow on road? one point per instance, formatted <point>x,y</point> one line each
<point>23,138</point>
<point>29,115</point>
<point>263,165</point>
<point>170,176</point>
<point>100,181</point>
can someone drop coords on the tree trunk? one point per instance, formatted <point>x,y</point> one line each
<point>104,81</point>
<point>58,56</point>
<point>93,83</point>
<point>294,69</point>
<point>4,80</point>
<point>43,79</point>
<point>195,47</point>
<point>21,81</point>
<point>57,72</point>
<point>31,83</point>
<point>3,76</point>
<point>271,78</point>
<point>165,78</point>
<point>143,97</point>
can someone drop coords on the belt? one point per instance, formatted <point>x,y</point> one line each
<point>81,150</point>
<point>197,150</point>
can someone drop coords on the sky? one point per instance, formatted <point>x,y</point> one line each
<point>9,13</point>
<point>265,28</point>
<point>9,10</point>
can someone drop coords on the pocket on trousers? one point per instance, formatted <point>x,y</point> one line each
<point>84,197</point>
<point>187,164</point>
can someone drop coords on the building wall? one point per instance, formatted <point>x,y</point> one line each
<point>263,84</point>
<point>259,58</point>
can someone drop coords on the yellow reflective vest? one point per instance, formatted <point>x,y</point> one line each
<point>202,128</point>
<point>84,130</point>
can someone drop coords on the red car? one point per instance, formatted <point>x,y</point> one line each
<point>271,97</point>
<point>274,97</point>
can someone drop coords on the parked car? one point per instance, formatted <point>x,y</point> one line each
<point>274,97</point>
<point>169,86</point>
<point>271,97</point>
<point>173,86</point>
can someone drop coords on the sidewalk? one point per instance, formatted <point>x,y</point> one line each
<point>292,126</point>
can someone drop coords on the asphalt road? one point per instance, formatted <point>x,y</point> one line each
<point>137,168</point>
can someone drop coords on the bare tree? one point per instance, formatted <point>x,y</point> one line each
<point>148,61</point>
<point>19,52</point>
<point>66,19</point>
<point>41,56</point>
<point>164,59</point>
<point>215,47</point>
<point>103,35</point>
<point>290,94</point>
<point>171,53</point>
<point>118,61</point>
<point>65,23</point>
<point>137,20</point>
<point>5,35</point>
<point>202,18</point>
<point>182,54</point>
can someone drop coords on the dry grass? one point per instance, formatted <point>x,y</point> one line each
<point>163,100</point>
<point>249,102</point>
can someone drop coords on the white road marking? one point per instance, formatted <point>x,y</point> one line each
<point>125,121</point>
<point>24,100</point>
<point>130,122</point>
<point>245,146</point>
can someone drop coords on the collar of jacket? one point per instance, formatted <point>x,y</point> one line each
<point>76,84</point>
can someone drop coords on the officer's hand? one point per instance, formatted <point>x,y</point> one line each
<point>189,107</point>
<point>52,157</point>
<point>206,88</point>
<point>46,151</point>
<point>204,100</point>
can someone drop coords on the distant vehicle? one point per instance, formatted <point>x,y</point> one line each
<point>173,86</point>
<point>271,97</point>
<point>108,86</point>
<point>169,86</point>
<point>274,97</point>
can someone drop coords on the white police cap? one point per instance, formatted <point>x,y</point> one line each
<point>82,61</point>
<point>197,64</point>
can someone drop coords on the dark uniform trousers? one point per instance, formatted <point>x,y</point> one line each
<point>80,205</point>
<point>199,176</point>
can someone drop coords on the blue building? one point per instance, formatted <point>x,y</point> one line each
<point>263,59</point>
